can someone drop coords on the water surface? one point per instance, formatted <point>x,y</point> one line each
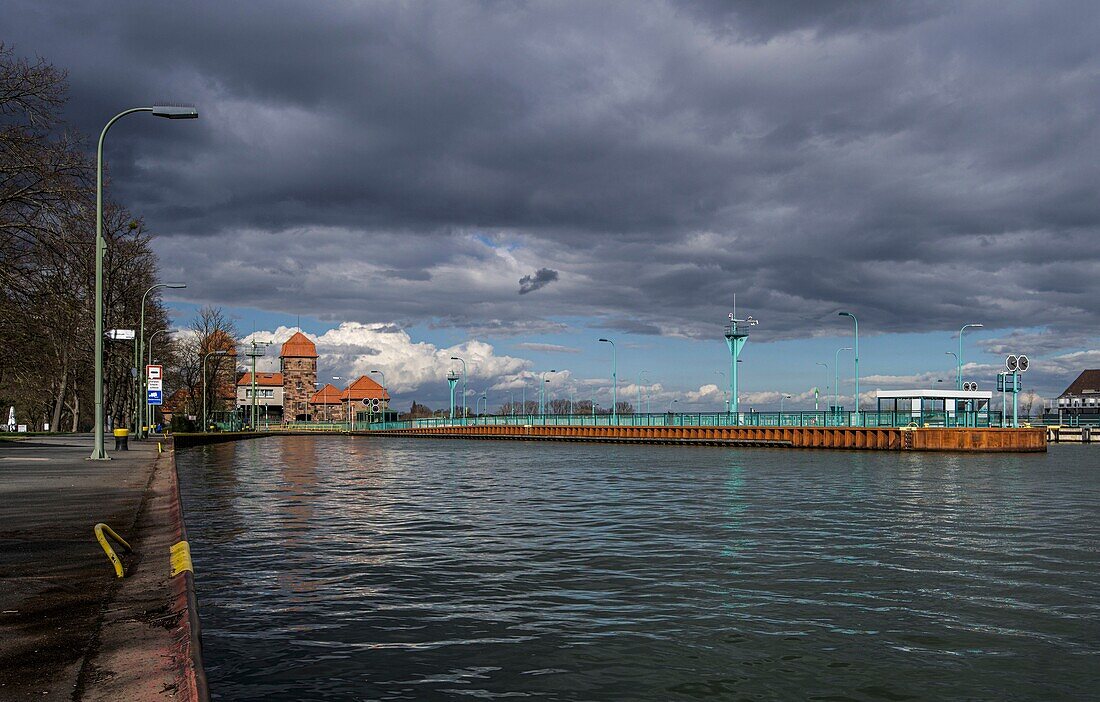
<point>351,568</point>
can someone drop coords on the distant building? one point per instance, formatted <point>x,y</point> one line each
<point>291,394</point>
<point>269,394</point>
<point>324,406</point>
<point>298,362</point>
<point>363,398</point>
<point>1082,396</point>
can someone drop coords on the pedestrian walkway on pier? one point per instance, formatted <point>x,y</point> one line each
<point>69,628</point>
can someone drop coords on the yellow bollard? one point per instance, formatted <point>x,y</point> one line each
<point>99,531</point>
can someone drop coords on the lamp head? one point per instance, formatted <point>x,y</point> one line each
<point>606,341</point>
<point>173,285</point>
<point>845,314</point>
<point>455,358</point>
<point>175,111</point>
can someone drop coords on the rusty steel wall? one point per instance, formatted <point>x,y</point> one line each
<point>849,438</point>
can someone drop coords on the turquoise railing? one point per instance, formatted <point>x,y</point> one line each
<point>716,419</point>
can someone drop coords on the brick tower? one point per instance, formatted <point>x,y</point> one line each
<point>298,359</point>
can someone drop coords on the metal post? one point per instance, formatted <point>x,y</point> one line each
<point>1015,400</point>
<point>614,381</point>
<point>382,402</point>
<point>98,452</point>
<point>456,358</point>
<point>836,379</point>
<point>855,416</point>
<point>149,412</point>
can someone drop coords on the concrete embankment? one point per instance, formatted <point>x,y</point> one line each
<point>71,628</point>
<point>850,438</point>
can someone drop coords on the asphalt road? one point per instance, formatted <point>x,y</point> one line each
<point>55,579</point>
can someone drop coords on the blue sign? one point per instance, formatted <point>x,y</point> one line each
<point>154,397</point>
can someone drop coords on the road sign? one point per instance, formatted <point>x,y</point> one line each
<point>154,384</point>
<point>121,334</point>
<point>154,397</point>
<point>154,372</point>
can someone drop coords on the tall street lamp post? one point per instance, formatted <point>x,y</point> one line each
<point>456,358</point>
<point>836,377</point>
<point>856,348</point>
<point>328,414</point>
<point>139,352</point>
<point>614,381</point>
<point>959,358</point>
<point>823,363</point>
<point>781,398</point>
<point>206,386</point>
<point>169,112</point>
<point>542,391</point>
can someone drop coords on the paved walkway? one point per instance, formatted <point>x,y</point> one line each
<point>55,581</point>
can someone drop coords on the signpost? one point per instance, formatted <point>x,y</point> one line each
<point>121,334</point>
<point>154,393</point>
<point>1010,382</point>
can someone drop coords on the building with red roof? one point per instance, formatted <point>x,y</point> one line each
<point>298,363</point>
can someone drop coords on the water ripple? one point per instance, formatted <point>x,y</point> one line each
<point>336,568</point>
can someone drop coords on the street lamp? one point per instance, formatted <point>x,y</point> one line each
<point>328,414</point>
<point>614,380</point>
<point>542,391</point>
<point>170,112</point>
<point>782,396</point>
<point>670,403</point>
<point>384,406</point>
<point>959,358</point>
<point>822,363</point>
<point>836,377</point>
<point>139,351</point>
<point>206,386</point>
<point>456,358</point>
<point>856,345</point>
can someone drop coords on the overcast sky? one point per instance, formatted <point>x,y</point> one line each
<point>532,175</point>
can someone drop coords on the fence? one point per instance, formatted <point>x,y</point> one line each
<point>715,419</point>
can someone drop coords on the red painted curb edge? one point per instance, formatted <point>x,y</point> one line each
<point>191,674</point>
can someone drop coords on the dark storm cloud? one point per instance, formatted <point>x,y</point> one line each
<point>923,163</point>
<point>540,279</point>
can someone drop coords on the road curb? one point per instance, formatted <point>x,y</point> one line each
<point>189,639</point>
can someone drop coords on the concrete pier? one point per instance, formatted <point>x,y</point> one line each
<point>70,628</point>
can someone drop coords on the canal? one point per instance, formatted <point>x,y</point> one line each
<point>355,568</point>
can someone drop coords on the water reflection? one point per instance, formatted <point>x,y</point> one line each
<point>343,568</point>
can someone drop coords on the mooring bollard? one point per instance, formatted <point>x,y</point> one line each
<point>122,439</point>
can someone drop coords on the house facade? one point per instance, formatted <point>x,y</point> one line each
<point>1082,396</point>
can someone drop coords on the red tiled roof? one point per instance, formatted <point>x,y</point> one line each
<point>1087,382</point>
<point>298,346</point>
<point>328,395</point>
<point>264,379</point>
<point>364,389</point>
